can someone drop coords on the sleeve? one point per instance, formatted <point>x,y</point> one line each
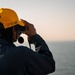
<point>43,56</point>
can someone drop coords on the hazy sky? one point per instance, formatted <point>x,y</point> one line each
<point>53,19</point>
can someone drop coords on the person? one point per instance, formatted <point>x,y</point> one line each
<point>21,60</point>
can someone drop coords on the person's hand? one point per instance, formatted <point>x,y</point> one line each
<point>30,30</point>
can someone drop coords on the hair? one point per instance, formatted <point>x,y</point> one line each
<point>6,34</point>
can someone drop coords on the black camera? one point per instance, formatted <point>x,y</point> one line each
<point>20,29</point>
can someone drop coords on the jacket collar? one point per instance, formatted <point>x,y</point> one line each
<point>4,42</point>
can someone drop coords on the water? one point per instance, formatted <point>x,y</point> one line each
<point>64,55</point>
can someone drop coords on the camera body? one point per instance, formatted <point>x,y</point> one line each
<point>20,29</point>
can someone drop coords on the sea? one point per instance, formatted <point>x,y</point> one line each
<point>64,56</point>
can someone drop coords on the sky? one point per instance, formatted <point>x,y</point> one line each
<point>54,20</point>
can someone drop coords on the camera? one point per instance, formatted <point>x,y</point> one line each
<point>20,29</point>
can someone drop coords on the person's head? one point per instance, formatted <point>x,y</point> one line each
<point>10,25</point>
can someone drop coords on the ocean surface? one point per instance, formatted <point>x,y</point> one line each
<point>64,55</point>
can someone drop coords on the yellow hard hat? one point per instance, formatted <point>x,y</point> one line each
<point>9,18</point>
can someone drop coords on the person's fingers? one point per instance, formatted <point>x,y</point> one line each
<point>24,21</point>
<point>30,29</point>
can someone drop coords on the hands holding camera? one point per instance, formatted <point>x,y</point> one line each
<point>30,30</point>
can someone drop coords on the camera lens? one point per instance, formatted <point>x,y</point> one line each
<point>20,40</point>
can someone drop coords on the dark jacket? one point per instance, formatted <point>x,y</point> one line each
<point>24,61</point>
